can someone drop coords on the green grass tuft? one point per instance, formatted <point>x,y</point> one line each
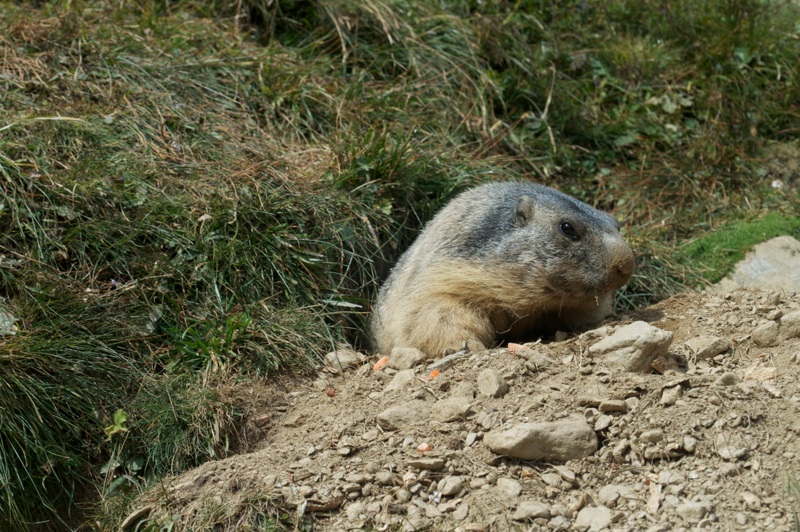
<point>716,253</point>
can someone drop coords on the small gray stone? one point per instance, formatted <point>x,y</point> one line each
<point>405,358</point>
<point>531,510</point>
<point>727,379</point>
<point>404,415</point>
<point>452,409</point>
<point>652,436</point>
<point>451,485</point>
<point>613,405</point>
<point>693,512</point>
<point>558,440</point>
<point>384,478</point>
<point>509,488</point>
<point>705,347</point>
<point>728,469</point>
<point>491,383</point>
<point>633,347</point>
<point>790,325</point>
<point>343,359</point>
<point>401,380</point>
<point>567,475</point>
<point>603,422</point>
<point>689,444</point>
<point>432,464</point>
<point>670,396</point>
<point>766,334</point>
<point>610,494</point>
<point>593,518</point>
<point>551,479</point>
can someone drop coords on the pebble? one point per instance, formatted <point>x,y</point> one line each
<point>611,493</point>
<point>343,359</point>
<point>552,479</point>
<point>790,325</point>
<point>613,405</point>
<point>704,347</point>
<point>451,409</point>
<point>633,347</point>
<point>450,485</point>
<point>432,464</point>
<point>670,396</point>
<point>531,510</point>
<point>693,512</point>
<point>508,488</point>
<point>689,444</point>
<point>728,469</point>
<point>652,436</point>
<point>766,334</point>
<point>593,518</point>
<point>403,415</point>
<point>401,380</point>
<point>491,383</point>
<point>727,379</point>
<point>403,358</point>
<point>558,440</point>
<point>603,422</point>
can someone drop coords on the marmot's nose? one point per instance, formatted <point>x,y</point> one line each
<point>622,265</point>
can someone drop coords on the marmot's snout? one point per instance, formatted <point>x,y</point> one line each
<point>622,265</point>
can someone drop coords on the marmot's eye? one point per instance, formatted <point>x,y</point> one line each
<point>569,230</point>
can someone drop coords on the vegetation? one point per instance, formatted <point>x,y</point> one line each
<point>195,191</point>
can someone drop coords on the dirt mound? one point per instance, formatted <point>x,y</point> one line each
<point>710,441</point>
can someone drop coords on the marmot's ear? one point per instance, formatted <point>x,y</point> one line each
<point>524,210</point>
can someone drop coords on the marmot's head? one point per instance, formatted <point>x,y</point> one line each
<point>571,249</point>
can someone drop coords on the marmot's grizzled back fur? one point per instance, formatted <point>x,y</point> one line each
<point>503,261</point>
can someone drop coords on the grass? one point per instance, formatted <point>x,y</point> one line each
<point>198,192</point>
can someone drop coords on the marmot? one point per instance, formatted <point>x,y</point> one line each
<point>502,262</point>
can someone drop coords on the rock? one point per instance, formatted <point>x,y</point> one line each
<point>693,512</point>
<point>403,415</point>
<point>384,478</point>
<point>613,405</point>
<point>403,358</point>
<point>491,383</point>
<point>731,447</point>
<point>766,334</point>
<point>727,379</point>
<point>431,464</point>
<point>452,409</point>
<point>603,422</point>
<point>551,479</point>
<point>558,440</point>
<point>633,347</point>
<point>531,510</point>
<point>567,475</point>
<point>772,265</point>
<point>610,494</point>
<point>670,396</point>
<point>652,436</point>
<point>355,510</point>
<point>593,518</point>
<point>689,444</point>
<point>343,359</point>
<point>450,485</point>
<point>400,380</point>
<point>790,325</point>
<point>704,347</point>
<point>508,488</point>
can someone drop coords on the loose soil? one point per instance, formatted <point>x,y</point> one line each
<point>702,444</point>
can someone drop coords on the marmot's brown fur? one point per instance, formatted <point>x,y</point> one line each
<point>503,261</point>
